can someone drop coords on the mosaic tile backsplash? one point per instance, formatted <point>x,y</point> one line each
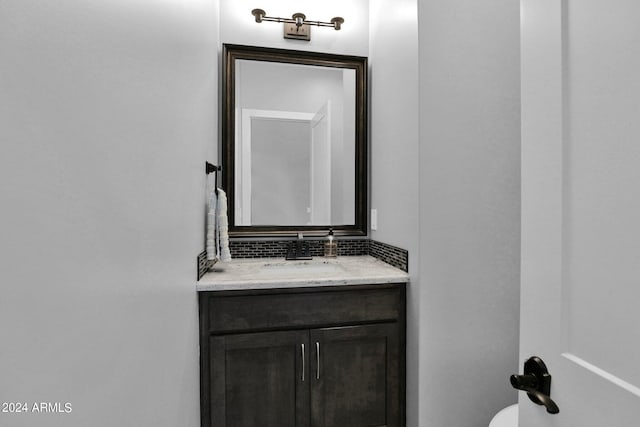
<point>202,264</point>
<point>392,255</point>
<point>278,248</point>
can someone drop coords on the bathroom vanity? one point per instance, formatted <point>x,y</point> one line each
<point>317,343</point>
<point>303,343</point>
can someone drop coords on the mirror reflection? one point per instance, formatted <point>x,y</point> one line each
<point>296,133</point>
<point>294,142</point>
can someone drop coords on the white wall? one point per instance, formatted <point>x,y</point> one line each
<point>395,156</point>
<point>107,112</point>
<point>469,209</point>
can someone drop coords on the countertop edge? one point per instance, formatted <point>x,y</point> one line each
<point>359,270</point>
<point>301,283</point>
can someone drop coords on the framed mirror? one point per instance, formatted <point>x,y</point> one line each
<point>294,142</point>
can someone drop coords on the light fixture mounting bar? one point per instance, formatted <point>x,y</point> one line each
<point>298,18</point>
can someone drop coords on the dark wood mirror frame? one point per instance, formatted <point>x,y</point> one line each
<point>231,53</point>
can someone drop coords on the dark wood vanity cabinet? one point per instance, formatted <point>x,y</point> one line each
<point>304,357</point>
<point>256,379</point>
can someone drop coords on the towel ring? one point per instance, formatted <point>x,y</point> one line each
<point>211,168</point>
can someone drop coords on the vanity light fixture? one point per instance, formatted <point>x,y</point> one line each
<point>297,27</point>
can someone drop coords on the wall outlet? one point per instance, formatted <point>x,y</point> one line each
<point>374,219</point>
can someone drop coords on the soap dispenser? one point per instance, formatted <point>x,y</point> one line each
<point>330,246</point>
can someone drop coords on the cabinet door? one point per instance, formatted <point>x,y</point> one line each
<point>356,376</point>
<point>260,379</point>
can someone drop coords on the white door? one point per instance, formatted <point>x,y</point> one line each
<point>321,166</point>
<point>580,299</point>
<point>244,159</point>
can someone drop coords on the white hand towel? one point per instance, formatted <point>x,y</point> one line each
<point>223,227</point>
<point>211,247</point>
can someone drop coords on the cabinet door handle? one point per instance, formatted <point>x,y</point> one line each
<point>302,352</point>
<point>317,360</point>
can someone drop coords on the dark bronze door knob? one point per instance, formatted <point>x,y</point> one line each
<point>536,381</point>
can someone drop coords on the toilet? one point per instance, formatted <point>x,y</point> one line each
<point>508,417</point>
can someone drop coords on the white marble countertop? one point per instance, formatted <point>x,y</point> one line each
<point>266,273</point>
